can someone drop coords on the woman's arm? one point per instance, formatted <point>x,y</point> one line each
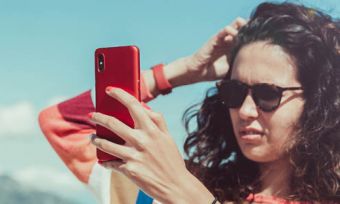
<point>209,63</point>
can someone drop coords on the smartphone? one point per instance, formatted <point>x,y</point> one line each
<point>117,67</point>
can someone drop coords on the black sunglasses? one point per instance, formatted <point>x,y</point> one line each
<point>266,96</point>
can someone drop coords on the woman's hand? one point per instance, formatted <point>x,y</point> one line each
<point>211,61</point>
<point>150,156</point>
<point>208,64</point>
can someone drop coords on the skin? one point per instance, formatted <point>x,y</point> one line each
<point>267,135</point>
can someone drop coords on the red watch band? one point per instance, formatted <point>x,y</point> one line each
<point>162,83</point>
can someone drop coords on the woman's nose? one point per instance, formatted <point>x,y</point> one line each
<point>248,109</point>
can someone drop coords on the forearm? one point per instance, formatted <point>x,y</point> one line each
<point>197,192</point>
<point>175,72</point>
<point>191,190</point>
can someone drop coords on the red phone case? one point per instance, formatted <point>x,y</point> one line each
<point>117,67</point>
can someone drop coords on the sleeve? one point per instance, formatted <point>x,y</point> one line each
<point>68,129</point>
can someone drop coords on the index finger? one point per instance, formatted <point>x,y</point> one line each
<point>136,110</point>
<point>238,23</point>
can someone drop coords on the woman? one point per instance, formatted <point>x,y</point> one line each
<point>269,132</point>
<point>289,147</point>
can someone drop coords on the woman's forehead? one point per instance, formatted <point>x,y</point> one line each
<point>262,62</point>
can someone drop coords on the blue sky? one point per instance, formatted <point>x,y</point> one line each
<point>46,55</point>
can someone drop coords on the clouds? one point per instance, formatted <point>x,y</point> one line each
<point>20,119</point>
<point>46,178</point>
<point>17,119</point>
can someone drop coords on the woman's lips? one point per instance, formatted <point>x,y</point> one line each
<point>250,135</point>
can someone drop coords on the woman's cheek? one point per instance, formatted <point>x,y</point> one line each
<point>283,126</point>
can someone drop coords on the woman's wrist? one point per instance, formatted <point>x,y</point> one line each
<point>184,71</point>
<point>177,73</point>
<point>190,190</point>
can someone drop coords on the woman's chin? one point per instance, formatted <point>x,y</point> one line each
<point>258,154</point>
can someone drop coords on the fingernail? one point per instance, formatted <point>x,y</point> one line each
<point>90,115</point>
<point>108,89</point>
<point>90,136</point>
<point>93,137</point>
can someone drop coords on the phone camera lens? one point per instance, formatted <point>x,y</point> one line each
<point>101,66</point>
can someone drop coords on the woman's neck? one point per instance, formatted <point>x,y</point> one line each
<point>275,178</point>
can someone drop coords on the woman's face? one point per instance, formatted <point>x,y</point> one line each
<point>262,136</point>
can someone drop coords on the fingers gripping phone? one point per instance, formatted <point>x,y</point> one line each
<point>117,67</point>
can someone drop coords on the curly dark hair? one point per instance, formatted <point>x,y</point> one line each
<point>312,39</point>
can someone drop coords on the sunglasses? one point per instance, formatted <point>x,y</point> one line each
<point>267,97</point>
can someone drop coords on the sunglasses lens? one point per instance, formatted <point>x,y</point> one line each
<point>266,97</point>
<point>233,93</point>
